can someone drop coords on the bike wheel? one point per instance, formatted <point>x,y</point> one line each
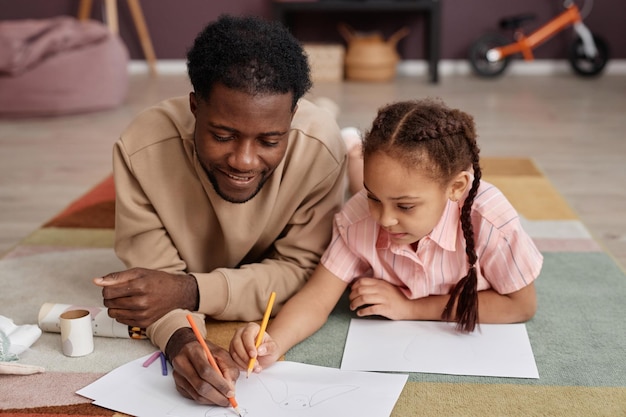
<point>478,56</point>
<point>585,66</point>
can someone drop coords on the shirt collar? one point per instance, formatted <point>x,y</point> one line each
<point>445,232</point>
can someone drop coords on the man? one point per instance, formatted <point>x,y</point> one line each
<point>223,197</point>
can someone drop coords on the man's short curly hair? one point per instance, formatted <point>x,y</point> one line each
<point>248,54</point>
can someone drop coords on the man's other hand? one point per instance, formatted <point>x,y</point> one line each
<point>139,296</point>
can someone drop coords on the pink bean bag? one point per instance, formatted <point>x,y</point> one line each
<point>60,66</point>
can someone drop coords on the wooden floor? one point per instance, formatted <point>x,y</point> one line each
<point>575,129</point>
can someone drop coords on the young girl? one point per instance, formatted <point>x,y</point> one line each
<point>425,240</point>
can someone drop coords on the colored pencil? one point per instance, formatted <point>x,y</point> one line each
<point>151,359</point>
<point>210,357</point>
<point>163,364</point>
<point>259,337</point>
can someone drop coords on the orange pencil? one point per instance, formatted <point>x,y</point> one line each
<point>259,337</point>
<point>210,357</point>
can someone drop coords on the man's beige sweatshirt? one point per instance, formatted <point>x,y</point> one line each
<point>169,217</point>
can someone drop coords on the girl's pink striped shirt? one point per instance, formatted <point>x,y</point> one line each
<point>508,259</point>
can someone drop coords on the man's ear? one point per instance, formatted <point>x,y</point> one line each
<point>193,103</point>
<point>459,185</point>
<point>293,113</point>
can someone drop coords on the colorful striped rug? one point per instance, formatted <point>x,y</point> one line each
<point>578,335</point>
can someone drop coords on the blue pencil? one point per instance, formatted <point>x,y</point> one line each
<point>163,364</point>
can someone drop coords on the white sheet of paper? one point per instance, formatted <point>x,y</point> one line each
<point>276,392</point>
<point>501,350</point>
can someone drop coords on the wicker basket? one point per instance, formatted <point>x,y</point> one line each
<point>369,57</point>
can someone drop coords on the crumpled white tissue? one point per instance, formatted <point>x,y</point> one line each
<point>13,341</point>
<point>20,337</point>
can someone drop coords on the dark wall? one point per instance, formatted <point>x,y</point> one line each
<point>173,24</point>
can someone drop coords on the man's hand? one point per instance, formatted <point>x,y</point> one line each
<point>194,376</point>
<point>139,296</point>
<point>373,296</point>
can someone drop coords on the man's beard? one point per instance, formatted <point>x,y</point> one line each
<point>226,197</point>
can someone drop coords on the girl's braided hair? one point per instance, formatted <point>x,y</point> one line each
<point>442,142</point>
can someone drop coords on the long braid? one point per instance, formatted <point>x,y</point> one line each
<point>465,292</point>
<point>442,142</point>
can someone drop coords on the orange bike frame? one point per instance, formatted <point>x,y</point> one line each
<point>525,44</point>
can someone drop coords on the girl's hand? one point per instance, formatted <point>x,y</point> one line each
<point>373,296</point>
<point>242,348</point>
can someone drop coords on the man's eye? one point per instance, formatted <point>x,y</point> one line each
<point>222,138</point>
<point>270,143</point>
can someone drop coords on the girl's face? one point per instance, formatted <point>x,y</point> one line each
<point>404,201</point>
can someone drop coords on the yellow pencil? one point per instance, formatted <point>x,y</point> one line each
<point>259,337</point>
<point>210,357</point>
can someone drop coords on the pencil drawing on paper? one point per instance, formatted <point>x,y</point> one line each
<point>187,409</point>
<point>284,398</point>
<point>215,411</point>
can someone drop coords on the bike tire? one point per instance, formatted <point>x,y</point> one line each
<point>478,56</point>
<point>588,67</point>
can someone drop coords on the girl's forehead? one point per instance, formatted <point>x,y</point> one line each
<point>395,165</point>
<point>387,177</point>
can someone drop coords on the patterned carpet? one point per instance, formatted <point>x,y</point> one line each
<point>578,335</point>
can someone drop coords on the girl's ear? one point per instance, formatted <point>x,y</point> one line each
<point>459,185</point>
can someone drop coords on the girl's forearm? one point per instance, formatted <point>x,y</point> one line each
<point>294,323</point>
<point>307,311</point>
<point>517,307</point>
<point>493,307</point>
